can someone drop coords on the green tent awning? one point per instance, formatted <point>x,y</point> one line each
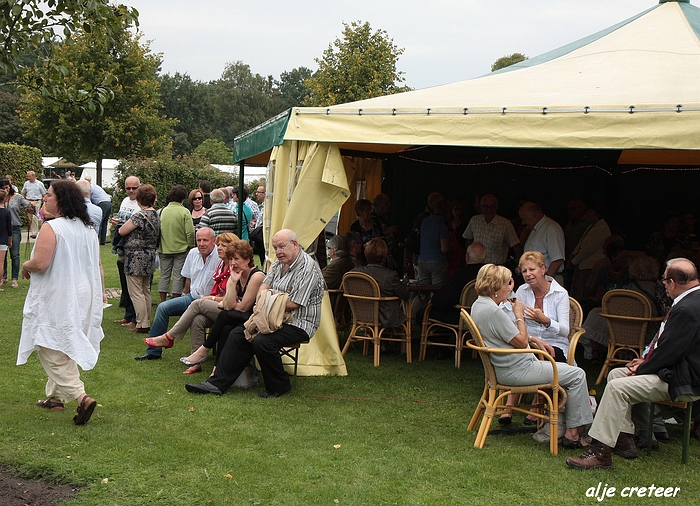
<point>261,138</point>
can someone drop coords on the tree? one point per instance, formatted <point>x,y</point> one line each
<point>243,100</point>
<point>30,25</point>
<point>192,104</point>
<point>214,151</point>
<point>360,65</point>
<point>292,86</point>
<point>507,61</point>
<point>130,124</point>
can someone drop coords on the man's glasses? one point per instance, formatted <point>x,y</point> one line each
<point>282,248</point>
<point>132,188</point>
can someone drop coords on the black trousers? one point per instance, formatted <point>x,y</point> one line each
<point>224,324</point>
<point>125,300</point>
<point>238,351</point>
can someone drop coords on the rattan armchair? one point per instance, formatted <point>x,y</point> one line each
<point>575,329</point>
<point>628,314</point>
<point>430,325</point>
<point>363,295</point>
<point>493,398</point>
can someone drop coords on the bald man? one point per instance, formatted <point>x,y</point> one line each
<point>669,370</point>
<point>298,275</point>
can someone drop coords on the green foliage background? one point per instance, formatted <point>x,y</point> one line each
<point>16,160</point>
<point>164,173</point>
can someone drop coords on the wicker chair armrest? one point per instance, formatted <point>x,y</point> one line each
<point>573,342</point>
<point>504,351</point>
<point>367,297</point>
<point>633,318</point>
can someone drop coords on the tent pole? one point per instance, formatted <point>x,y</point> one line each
<point>240,198</point>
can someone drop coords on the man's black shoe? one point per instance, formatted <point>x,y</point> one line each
<point>271,395</point>
<point>202,388</point>
<point>147,356</point>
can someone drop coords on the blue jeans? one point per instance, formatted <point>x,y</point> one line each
<point>14,253</point>
<point>172,307</point>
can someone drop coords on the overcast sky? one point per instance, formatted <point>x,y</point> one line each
<point>444,40</point>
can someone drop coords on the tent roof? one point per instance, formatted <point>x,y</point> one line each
<point>107,163</point>
<point>631,86</point>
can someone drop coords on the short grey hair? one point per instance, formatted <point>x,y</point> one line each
<point>340,244</point>
<point>85,187</point>
<point>217,196</point>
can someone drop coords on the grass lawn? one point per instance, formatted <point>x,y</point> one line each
<point>395,434</point>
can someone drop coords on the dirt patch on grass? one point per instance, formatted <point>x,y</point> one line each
<point>17,491</point>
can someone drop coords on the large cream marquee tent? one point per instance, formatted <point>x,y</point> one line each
<point>633,87</point>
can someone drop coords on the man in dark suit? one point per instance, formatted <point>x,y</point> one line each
<point>669,370</point>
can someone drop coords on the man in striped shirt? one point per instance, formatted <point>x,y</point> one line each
<point>298,275</point>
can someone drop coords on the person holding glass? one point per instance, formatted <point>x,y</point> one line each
<point>494,284</point>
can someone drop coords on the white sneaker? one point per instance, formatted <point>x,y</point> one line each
<point>15,284</point>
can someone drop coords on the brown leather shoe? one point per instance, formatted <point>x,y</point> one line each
<point>597,457</point>
<point>625,447</point>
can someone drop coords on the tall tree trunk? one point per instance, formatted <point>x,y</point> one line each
<point>98,171</point>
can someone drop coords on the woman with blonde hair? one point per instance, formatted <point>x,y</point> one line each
<point>546,312</point>
<point>494,284</point>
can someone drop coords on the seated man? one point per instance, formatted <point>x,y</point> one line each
<point>390,312</point>
<point>339,250</point>
<point>298,275</point>
<point>198,272</point>
<point>669,371</point>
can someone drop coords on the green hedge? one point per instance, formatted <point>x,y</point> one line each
<point>163,174</point>
<point>16,160</point>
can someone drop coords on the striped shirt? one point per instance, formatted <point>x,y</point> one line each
<point>220,219</point>
<point>304,284</point>
<point>497,237</point>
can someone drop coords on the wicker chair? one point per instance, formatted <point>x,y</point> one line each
<point>466,300</point>
<point>628,314</point>
<point>492,402</point>
<point>575,330</point>
<point>363,295</point>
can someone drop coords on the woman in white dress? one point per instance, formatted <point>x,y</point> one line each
<point>63,309</point>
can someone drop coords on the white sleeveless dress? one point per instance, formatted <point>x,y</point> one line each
<point>63,309</point>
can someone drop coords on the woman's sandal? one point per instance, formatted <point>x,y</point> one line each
<point>187,361</point>
<point>85,409</point>
<point>50,404</point>
<point>149,342</point>
<point>193,369</point>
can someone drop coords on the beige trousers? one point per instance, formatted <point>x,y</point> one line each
<point>64,378</point>
<point>200,315</point>
<point>614,413</point>
<point>140,293</point>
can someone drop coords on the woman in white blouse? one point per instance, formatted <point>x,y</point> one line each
<point>546,304</point>
<point>546,313</point>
